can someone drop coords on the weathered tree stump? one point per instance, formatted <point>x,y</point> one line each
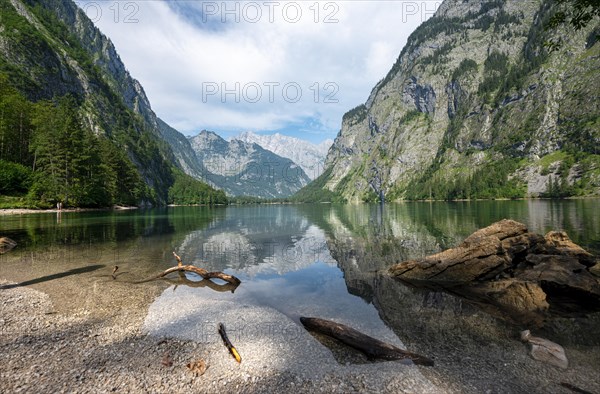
<point>373,348</point>
<point>519,273</point>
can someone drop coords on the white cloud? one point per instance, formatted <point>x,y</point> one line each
<point>176,52</point>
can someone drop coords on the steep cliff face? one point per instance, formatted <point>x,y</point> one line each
<point>182,150</point>
<point>475,107</point>
<point>104,55</point>
<point>246,169</point>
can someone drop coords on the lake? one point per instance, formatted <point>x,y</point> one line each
<point>324,254</point>
<point>299,260</point>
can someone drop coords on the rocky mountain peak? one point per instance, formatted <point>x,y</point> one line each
<point>246,168</point>
<point>310,157</point>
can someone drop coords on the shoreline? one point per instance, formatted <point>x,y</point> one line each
<point>26,211</point>
<point>91,333</point>
<point>48,350</point>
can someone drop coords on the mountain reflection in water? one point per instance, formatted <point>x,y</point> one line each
<point>319,260</point>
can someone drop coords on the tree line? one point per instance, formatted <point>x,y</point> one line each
<point>47,156</point>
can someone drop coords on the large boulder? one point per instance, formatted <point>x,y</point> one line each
<point>513,272</point>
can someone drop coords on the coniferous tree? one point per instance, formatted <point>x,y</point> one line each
<point>15,124</point>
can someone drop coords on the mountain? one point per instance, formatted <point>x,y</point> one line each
<point>87,134</point>
<point>476,107</point>
<point>246,169</point>
<point>182,149</point>
<point>310,157</point>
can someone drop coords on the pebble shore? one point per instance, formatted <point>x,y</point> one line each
<point>45,351</point>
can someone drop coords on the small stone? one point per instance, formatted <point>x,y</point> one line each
<point>198,367</point>
<point>546,351</point>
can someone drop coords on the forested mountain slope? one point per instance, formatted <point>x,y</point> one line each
<point>75,127</point>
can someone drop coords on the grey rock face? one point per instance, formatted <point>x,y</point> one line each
<point>182,149</point>
<point>423,96</point>
<point>455,97</point>
<point>310,157</point>
<point>460,61</point>
<point>245,169</point>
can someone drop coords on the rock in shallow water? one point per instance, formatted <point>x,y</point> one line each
<point>545,350</point>
<point>522,274</point>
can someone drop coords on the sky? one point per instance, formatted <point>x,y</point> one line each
<point>293,67</point>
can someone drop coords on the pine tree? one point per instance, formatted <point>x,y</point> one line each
<point>15,125</point>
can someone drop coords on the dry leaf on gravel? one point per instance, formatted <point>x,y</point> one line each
<point>198,367</point>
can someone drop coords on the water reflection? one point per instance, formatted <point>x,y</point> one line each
<point>305,260</point>
<point>184,280</point>
<point>257,240</point>
<point>365,239</point>
<point>33,231</point>
<point>327,254</point>
<point>87,245</point>
<point>285,265</point>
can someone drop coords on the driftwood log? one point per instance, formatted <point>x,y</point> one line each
<point>373,348</point>
<point>197,270</point>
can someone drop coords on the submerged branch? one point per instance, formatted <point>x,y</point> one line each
<point>184,281</point>
<point>373,348</point>
<point>197,270</point>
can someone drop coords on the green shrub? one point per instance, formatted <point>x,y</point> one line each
<point>15,178</point>
<point>465,67</point>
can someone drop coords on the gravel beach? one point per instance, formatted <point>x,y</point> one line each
<point>143,344</point>
<point>43,351</point>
